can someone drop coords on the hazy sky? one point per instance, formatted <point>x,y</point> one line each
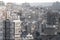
<point>29,1</point>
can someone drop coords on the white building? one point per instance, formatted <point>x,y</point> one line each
<point>17,29</point>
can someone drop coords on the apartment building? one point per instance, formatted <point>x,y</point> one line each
<point>1,30</point>
<point>8,30</point>
<point>17,29</point>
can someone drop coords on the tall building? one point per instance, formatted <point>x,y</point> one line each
<point>2,3</point>
<point>17,29</point>
<point>1,30</point>
<point>8,30</point>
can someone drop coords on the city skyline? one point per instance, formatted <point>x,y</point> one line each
<point>28,1</point>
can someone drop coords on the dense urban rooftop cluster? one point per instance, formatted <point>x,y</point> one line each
<point>30,21</point>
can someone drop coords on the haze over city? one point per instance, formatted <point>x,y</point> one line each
<point>29,19</point>
<point>29,1</point>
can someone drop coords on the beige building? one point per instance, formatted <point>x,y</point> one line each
<point>17,29</point>
<point>2,12</point>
